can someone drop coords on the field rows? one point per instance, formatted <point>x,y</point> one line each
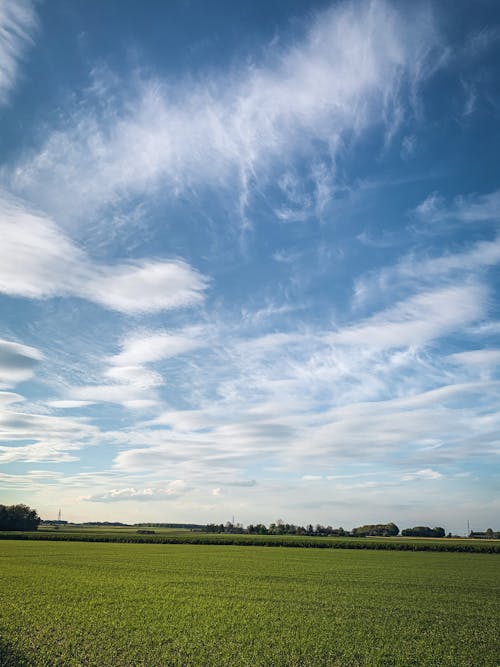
<point>123,605</point>
<point>172,536</point>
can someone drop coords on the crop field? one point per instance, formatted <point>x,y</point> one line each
<point>117,605</point>
<point>184,536</point>
<point>76,529</point>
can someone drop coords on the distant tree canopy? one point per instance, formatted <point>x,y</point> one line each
<point>423,531</point>
<point>278,528</point>
<point>376,530</point>
<point>18,517</point>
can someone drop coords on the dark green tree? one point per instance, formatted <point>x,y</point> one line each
<point>18,517</point>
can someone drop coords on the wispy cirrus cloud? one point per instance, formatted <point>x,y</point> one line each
<point>18,26</point>
<point>37,453</point>
<point>38,261</point>
<point>31,437</point>
<point>356,66</point>
<point>421,268</point>
<point>410,431</point>
<point>420,318</point>
<point>129,378</point>
<point>484,358</point>
<point>469,209</point>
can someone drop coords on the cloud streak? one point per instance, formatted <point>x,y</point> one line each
<point>38,261</point>
<point>127,378</point>
<point>419,319</point>
<point>18,26</point>
<point>468,209</point>
<point>17,362</point>
<point>172,491</point>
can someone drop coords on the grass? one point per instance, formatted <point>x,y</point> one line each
<point>124,605</point>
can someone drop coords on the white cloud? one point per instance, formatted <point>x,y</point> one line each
<point>171,491</point>
<point>469,209</point>
<point>17,362</point>
<point>68,404</point>
<point>19,426</point>
<point>435,428</point>
<point>9,397</point>
<point>419,319</point>
<point>145,347</point>
<point>352,69</point>
<point>18,25</point>
<point>38,261</point>
<point>27,435</point>
<point>145,286</point>
<point>481,254</point>
<point>129,395</point>
<point>425,474</point>
<point>415,270</point>
<point>127,379</point>
<point>38,452</point>
<point>488,358</point>
<point>30,436</point>
<point>136,375</point>
<point>486,328</point>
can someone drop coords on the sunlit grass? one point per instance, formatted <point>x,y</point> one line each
<point>125,605</point>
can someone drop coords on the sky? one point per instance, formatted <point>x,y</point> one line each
<point>249,261</point>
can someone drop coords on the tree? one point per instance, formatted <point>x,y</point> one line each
<point>391,530</point>
<point>18,517</point>
<point>376,530</point>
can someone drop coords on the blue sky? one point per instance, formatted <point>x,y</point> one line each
<point>249,261</point>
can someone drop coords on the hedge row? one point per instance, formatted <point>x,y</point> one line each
<point>228,540</point>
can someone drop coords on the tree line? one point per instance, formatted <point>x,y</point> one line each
<point>423,531</point>
<point>281,528</point>
<point>18,517</point>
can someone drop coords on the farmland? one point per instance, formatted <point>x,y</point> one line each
<point>129,534</point>
<point>70,603</point>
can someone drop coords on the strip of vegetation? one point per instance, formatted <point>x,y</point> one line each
<point>390,544</point>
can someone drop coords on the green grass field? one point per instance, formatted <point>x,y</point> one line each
<point>114,605</point>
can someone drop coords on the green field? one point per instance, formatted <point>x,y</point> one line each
<point>113,605</point>
<point>184,536</point>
